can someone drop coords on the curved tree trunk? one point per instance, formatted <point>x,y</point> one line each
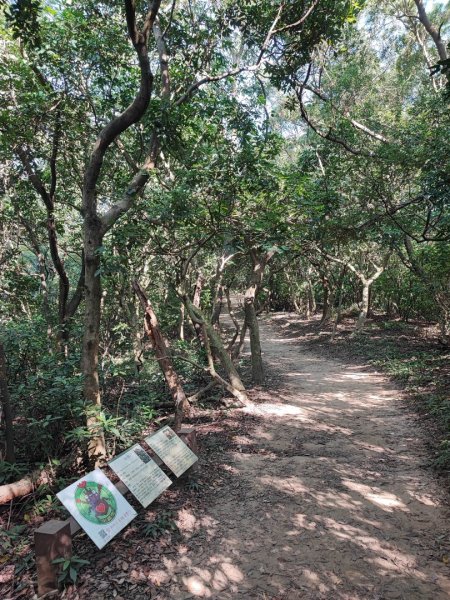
<point>216,346</point>
<point>95,224</point>
<point>238,394</point>
<point>433,32</point>
<point>66,307</point>
<point>366,282</point>
<point>160,347</point>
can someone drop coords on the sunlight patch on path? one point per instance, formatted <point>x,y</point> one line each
<point>324,496</point>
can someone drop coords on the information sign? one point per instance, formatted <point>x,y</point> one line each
<point>171,450</point>
<point>142,476</point>
<point>96,504</point>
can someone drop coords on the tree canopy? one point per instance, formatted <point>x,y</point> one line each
<point>294,154</point>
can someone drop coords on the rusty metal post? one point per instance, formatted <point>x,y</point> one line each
<point>52,540</point>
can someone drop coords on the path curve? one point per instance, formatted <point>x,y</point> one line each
<point>335,506</point>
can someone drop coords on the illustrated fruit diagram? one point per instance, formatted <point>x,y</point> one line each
<point>95,502</point>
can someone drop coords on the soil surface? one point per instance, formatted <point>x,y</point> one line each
<point>328,496</point>
<point>318,489</point>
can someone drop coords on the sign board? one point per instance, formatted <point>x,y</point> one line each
<point>142,476</point>
<point>171,450</point>
<point>99,508</point>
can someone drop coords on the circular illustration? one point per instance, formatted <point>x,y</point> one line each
<point>95,502</point>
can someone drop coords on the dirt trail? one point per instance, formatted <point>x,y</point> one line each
<point>335,505</point>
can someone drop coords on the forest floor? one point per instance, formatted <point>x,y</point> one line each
<point>320,489</point>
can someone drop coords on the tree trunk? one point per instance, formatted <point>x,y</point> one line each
<point>44,291</point>
<point>181,322</point>
<point>95,225</point>
<point>366,283</point>
<point>23,487</point>
<point>311,297</point>
<point>239,394</point>
<point>364,307</point>
<point>310,302</point>
<point>444,326</point>
<point>93,296</point>
<point>162,354</point>
<point>7,409</point>
<point>339,308</point>
<point>233,318</point>
<point>443,302</point>
<point>369,307</point>
<point>237,351</point>
<point>196,301</point>
<point>217,288</point>
<point>440,293</point>
<point>328,301</point>
<point>217,346</point>
<point>434,33</point>
<point>217,307</point>
<point>251,322</point>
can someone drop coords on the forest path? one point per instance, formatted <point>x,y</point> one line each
<point>329,499</point>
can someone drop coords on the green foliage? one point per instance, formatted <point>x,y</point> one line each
<point>163,523</point>
<point>11,538</point>
<point>23,18</point>
<point>239,172</point>
<point>70,568</point>
<point>10,472</point>
<point>45,388</point>
<point>193,485</point>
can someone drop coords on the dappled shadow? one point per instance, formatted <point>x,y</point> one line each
<point>324,496</point>
<point>315,491</point>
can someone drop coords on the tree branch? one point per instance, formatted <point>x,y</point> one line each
<point>132,114</point>
<point>356,124</point>
<point>326,136</point>
<point>301,20</point>
<point>434,33</point>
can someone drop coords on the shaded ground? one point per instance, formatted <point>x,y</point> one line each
<point>317,491</point>
<point>324,497</point>
<point>409,353</point>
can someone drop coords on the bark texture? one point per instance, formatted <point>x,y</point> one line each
<point>216,346</point>
<point>95,225</point>
<point>260,262</point>
<point>160,347</point>
<point>23,487</point>
<point>434,33</point>
<point>5,404</point>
